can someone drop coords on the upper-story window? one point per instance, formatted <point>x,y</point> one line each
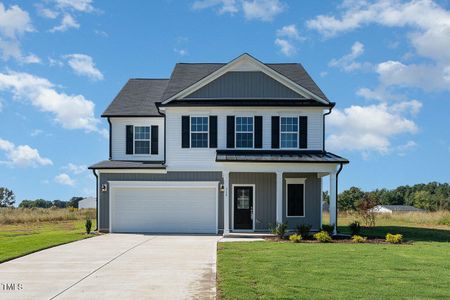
<point>289,132</point>
<point>244,132</point>
<point>141,140</point>
<point>199,132</point>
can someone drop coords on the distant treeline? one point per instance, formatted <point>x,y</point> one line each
<point>73,202</point>
<point>431,196</point>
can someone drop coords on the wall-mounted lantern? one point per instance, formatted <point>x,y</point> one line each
<point>104,187</point>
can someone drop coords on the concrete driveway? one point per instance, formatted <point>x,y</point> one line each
<point>117,266</point>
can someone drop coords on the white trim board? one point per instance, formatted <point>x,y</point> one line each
<point>254,206</point>
<point>234,65</point>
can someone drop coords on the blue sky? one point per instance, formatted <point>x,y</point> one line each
<point>385,63</point>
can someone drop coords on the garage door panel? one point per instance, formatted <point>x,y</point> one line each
<point>190,210</point>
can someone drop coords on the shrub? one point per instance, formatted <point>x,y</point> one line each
<point>88,225</point>
<point>445,220</point>
<point>304,230</point>
<point>394,238</point>
<point>322,237</point>
<point>328,228</point>
<point>296,238</point>
<point>280,229</point>
<point>355,228</point>
<point>72,209</point>
<point>358,239</point>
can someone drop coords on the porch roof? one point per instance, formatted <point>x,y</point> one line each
<point>128,164</point>
<point>295,156</point>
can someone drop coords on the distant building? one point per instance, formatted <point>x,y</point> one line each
<point>88,202</point>
<point>389,209</point>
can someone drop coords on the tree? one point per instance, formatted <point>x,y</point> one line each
<point>73,202</point>
<point>326,197</point>
<point>365,206</point>
<point>348,198</point>
<point>7,198</point>
<point>422,199</point>
<point>59,204</point>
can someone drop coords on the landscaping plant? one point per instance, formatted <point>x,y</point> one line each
<point>358,239</point>
<point>296,238</point>
<point>323,237</point>
<point>394,238</point>
<point>328,228</point>
<point>88,226</point>
<point>355,228</point>
<point>280,229</point>
<point>304,230</point>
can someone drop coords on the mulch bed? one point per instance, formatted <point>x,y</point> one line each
<point>340,240</point>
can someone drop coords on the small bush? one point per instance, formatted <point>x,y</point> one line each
<point>358,239</point>
<point>88,225</point>
<point>322,237</point>
<point>355,228</point>
<point>394,238</point>
<point>72,209</point>
<point>296,238</point>
<point>280,229</point>
<point>328,228</point>
<point>304,230</point>
<point>445,220</point>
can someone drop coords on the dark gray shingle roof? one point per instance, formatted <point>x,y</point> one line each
<point>295,156</point>
<point>128,164</point>
<point>137,98</point>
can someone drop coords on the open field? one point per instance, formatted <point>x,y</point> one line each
<point>32,229</point>
<point>417,270</point>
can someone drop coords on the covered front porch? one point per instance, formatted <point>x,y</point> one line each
<point>260,192</point>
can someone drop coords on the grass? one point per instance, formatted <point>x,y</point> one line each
<point>20,239</point>
<point>268,270</point>
<point>34,215</point>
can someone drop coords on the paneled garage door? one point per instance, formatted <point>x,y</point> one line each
<point>187,207</point>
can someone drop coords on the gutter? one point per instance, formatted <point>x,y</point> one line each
<point>96,199</point>
<point>341,166</point>
<point>323,126</point>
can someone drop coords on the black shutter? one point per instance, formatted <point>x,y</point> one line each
<point>129,135</point>
<point>275,132</point>
<point>185,131</point>
<point>212,131</point>
<point>258,131</point>
<point>154,140</point>
<point>230,131</point>
<point>303,132</point>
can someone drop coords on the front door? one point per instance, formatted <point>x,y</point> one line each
<point>243,207</point>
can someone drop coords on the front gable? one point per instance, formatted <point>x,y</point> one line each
<point>245,67</point>
<point>244,85</point>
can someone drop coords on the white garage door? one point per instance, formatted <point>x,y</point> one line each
<point>149,207</point>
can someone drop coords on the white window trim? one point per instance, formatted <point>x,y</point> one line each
<point>296,181</point>
<point>142,140</point>
<point>254,207</point>
<point>235,132</point>
<point>298,135</point>
<point>190,131</point>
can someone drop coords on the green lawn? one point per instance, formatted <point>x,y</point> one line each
<point>20,239</point>
<point>268,270</point>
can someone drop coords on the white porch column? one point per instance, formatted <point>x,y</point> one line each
<point>279,206</point>
<point>333,200</point>
<point>226,202</point>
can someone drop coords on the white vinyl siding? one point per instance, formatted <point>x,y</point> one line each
<point>204,158</point>
<point>118,139</point>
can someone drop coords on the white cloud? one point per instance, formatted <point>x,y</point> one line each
<point>84,65</point>
<point>75,169</point>
<point>289,31</point>
<point>78,5</point>
<point>1,105</point>
<point>46,12</point>
<point>64,179</point>
<point>181,52</point>
<point>36,132</point>
<point>22,155</point>
<point>55,62</point>
<point>367,128</point>
<point>14,22</point>
<point>430,30</point>
<point>286,47</point>
<point>71,111</point>
<point>408,146</point>
<point>264,10</point>
<point>226,6</point>
<point>348,62</point>
<point>67,22</point>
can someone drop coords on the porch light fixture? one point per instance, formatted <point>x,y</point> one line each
<point>221,187</point>
<point>104,187</point>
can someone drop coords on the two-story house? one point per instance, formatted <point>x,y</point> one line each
<point>217,148</point>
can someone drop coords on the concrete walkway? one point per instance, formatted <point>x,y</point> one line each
<point>117,266</point>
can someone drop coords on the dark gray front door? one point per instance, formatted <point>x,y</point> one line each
<point>243,207</point>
